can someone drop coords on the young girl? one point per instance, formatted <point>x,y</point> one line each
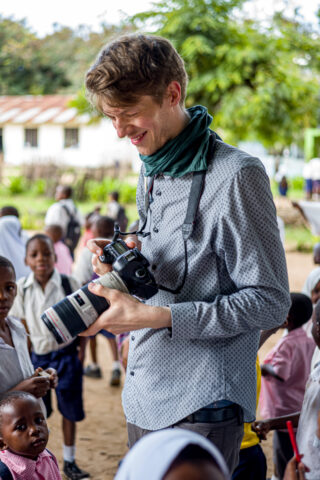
<point>16,369</point>
<point>23,439</point>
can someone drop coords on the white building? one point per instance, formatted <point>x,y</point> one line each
<point>41,128</point>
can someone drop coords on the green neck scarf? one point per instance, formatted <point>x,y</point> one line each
<point>185,153</point>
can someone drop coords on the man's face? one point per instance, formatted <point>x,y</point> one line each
<point>24,430</point>
<point>147,124</point>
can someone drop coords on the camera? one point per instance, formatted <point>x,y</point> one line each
<point>75,313</point>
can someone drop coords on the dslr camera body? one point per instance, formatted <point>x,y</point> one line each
<point>75,313</point>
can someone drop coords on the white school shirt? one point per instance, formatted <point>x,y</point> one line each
<point>57,215</point>
<point>306,434</point>
<point>15,363</point>
<point>31,301</point>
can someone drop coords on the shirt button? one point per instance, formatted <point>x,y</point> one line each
<point>158,192</point>
<point>132,374</point>
<point>153,267</point>
<point>155,229</point>
<point>133,337</point>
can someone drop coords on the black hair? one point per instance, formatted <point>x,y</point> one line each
<point>40,236</point>
<point>115,195</point>
<point>5,263</point>
<point>105,226</point>
<point>67,190</point>
<point>301,309</point>
<point>10,397</point>
<point>9,210</point>
<point>194,454</point>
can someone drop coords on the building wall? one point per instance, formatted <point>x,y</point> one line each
<point>98,145</point>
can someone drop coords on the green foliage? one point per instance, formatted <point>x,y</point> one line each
<point>17,185</point>
<point>25,68</point>
<point>259,83</point>
<point>98,191</point>
<point>297,183</point>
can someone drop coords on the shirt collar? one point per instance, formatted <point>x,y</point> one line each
<point>24,465</point>
<point>55,279</point>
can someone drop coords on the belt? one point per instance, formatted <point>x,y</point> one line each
<point>215,415</point>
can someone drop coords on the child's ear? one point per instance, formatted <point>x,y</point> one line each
<point>25,261</point>
<point>3,446</point>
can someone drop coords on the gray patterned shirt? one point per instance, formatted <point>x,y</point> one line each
<point>236,285</point>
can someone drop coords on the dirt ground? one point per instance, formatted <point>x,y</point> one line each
<point>101,438</point>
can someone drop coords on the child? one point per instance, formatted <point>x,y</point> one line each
<point>101,227</point>
<point>40,290</point>
<point>307,421</point>
<point>16,369</point>
<point>285,373</point>
<point>64,260</point>
<point>23,439</point>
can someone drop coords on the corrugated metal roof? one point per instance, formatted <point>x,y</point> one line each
<point>38,109</point>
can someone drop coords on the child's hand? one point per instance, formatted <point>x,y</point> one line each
<point>53,378</point>
<point>262,428</point>
<point>295,471</point>
<point>36,385</point>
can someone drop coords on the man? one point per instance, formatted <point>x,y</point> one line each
<point>192,354</point>
<point>65,214</point>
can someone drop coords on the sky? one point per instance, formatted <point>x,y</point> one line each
<point>42,14</point>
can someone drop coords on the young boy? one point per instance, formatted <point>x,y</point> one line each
<point>101,227</point>
<point>284,375</point>
<point>40,290</point>
<point>23,439</point>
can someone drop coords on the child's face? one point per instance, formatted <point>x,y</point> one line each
<point>41,258</point>
<point>8,290</point>
<point>24,429</point>
<point>315,294</point>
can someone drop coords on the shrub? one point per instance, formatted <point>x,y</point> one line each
<point>17,185</point>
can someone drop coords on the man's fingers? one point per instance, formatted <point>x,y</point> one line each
<point>96,245</point>
<point>101,291</point>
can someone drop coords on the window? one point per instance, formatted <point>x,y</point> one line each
<point>71,138</point>
<point>31,137</point>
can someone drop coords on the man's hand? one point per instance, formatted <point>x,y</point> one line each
<point>126,313</point>
<point>295,471</point>
<point>96,246</point>
<point>262,428</point>
<point>37,386</point>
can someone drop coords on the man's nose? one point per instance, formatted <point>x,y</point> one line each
<point>120,127</point>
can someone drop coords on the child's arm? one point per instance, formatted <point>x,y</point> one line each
<point>267,370</point>
<point>263,427</point>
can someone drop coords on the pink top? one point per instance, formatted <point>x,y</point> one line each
<point>291,360</point>
<point>64,259</point>
<point>22,468</point>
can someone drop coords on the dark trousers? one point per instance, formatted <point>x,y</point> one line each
<point>282,452</point>
<point>227,436</point>
<point>252,464</point>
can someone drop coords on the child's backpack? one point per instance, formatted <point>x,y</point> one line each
<point>73,232</point>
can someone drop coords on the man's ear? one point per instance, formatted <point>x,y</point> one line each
<point>174,93</point>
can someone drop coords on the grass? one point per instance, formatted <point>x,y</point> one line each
<point>33,208</point>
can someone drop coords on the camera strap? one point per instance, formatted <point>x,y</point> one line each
<point>196,190</point>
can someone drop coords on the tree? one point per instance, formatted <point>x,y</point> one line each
<point>23,66</point>
<point>259,83</point>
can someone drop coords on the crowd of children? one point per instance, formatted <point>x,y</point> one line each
<point>33,366</point>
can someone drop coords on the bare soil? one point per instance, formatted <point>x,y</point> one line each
<point>101,437</point>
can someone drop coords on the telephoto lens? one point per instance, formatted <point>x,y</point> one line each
<point>75,313</point>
